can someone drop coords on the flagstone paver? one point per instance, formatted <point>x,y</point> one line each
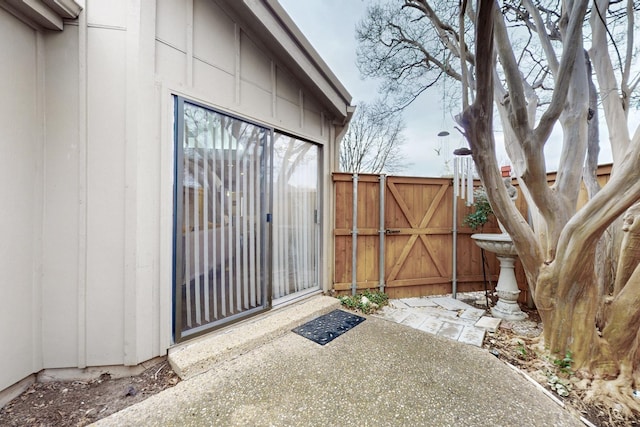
<point>472,313</point>
<point>419,302</point>
<point>460,321</point>
<point>398,303</point>
<point>488,323</point>
<point>436,311</point>
<point>431,325</point>
<point>414,320</point>
<point>450,330</point>
<point>443,316</point>
<point>451,304</point>
<point>472,335</point>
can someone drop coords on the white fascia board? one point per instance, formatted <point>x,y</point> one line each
<point>48,14</point>
<point>291,39</point>
<point>68,9</point>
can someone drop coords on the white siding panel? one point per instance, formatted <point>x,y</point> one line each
<point>311,105</point>
<point>171,63</point>
<point>214,36</point>
<point>255,101</point>
<point>255,66</point>
<point>312,117</point>
<point>18,154</point>
<point>287,86</point>
<point>105,217</point>
<point>60,224</point>
<point>312,123</point>
<point>216,85</point>
<point>171,21</point>
<point>288,114</point>
<point>112,13</point>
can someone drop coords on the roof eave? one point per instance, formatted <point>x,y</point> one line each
<point>296,51</point>
<point>47,14</point>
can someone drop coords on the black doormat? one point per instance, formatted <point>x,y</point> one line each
<point>326,328</point>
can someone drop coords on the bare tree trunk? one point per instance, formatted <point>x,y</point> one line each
<point>630,251</point>
<point>590,172</point>
<point>566,304</point>
<point>569,303</point>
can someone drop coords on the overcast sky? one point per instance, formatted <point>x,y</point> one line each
<point>332,34</point>
<point>330,27</point>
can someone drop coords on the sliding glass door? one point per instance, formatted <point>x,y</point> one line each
<point>220,219</point>
<point>295,228</point>
<point>246,228</point>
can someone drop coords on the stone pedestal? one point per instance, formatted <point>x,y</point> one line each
<point>507,290</point>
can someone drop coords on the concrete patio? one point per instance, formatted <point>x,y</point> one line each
<point>380,373</point>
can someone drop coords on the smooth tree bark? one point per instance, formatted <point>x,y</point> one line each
<point>577,317</point>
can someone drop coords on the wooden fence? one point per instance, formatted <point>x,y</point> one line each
<point>413,236</point>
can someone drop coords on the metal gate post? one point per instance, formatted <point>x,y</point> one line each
<point>354,237</point>
<point>454,267</point>
<point>381,231</point>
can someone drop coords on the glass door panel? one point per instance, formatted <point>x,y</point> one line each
<point>295,227</point>
<point>220,211</point>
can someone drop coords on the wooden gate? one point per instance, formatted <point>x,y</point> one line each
<point>412,234</point>
<point>418,250</point>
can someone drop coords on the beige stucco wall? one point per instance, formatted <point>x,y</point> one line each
<point>87,162</point>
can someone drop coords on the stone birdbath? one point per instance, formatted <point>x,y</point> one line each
<point>507,289</point>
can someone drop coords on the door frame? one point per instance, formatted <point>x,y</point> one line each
<point>177,241</point>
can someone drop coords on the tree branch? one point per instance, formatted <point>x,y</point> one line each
<point>477,121</point>
<point>545,41</point>
<point>586,226</point>
<point>517,101</point>
<point>614,112</point>
<point>441,28</point>
<point>463,56</point>
<point>629,54</point>
<point>571,49</point>
<point>534,174</point>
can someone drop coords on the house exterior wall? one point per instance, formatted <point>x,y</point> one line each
<point>61,244</point>
<point>89,132</point>
<point>20,144</point>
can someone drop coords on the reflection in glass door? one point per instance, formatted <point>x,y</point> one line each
<point>295,227</point>
<point>220,219</point>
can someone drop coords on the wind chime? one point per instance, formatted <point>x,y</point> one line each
<point>463,169</point>
<point>462,187</point>
<point>463,175</point>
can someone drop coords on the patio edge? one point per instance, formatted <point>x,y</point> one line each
<point>197,356</point>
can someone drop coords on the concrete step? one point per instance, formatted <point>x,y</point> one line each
<point>200,354</point>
